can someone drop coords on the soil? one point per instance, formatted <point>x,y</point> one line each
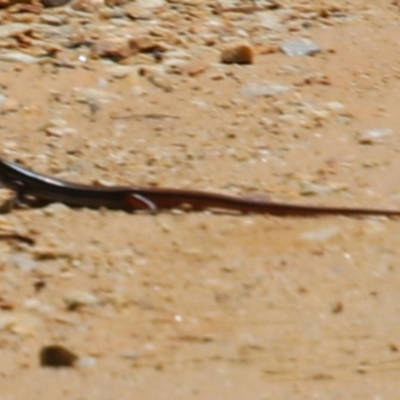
<point>204,305</point>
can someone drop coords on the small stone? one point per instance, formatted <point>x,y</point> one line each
<point>145,44</point>
<point>315,79</point>
<point>23,10</point>
<point>132,10</point>
<point>300,47</point>
<point>76,299</point>
<point>7,320</point>
<point>337,307</point>
<point>87,362</point>
<point>115,49</point>
<point>239,53</point>
<point>87,6</point>
<point>5,223</point>
<point>3,99</point>
<point>263,89</point>
<point>10,30</point>
<point>23,262</point>
<point>321,235</point>
<point>54,3</point>
<point>160,80</point>
<point>9,105</point>
<point>17,56</point>
<point>19,323</point>
<point>374,136</point>
<point>57,123</point>
<point>130,354</point>
<point>175,66</point>
<point>53,20</point>
<point>177,55</point>
<point>52,210</point>
<point>58,127</point>
<point>150,3</point>
<point>59,132</point>
<point>271,21</point>
<point>91,95</point>
<point>311,189</point>
<point>57,356</point>
<point>196,68</point>
<point>335,106</point>
<point>122,71</point>
<point>117,3</point>
<point>267,49</point>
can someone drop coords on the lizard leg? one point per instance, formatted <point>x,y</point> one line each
<point>19,199</point>
<point>22,200</point>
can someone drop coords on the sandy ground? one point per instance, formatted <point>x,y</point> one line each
<point>206,305</point>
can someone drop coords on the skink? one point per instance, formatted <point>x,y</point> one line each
<point>27,184</point>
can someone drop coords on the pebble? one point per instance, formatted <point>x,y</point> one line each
<point>54,3</point>
<point>9,105</point>
<point>34,304</point>
<point>57,123</point>
<point>321,235</point>
<point>58,128</point>
<point>17,56</point>
<point>18,322</point>
<point>57,356</point>
<point>3,99</point>
<point>115,49</point>
<point>309,189</point>
<point>263,89</point>
<point>23,262</point>
<point>160,80</point>
<point>76,299</point>
<point>10,30</point>
<point>374,136</point>
<point>196,68</point>
<point>53,20</point>
<point>87,362</point>
<point>238,53</point>
<point>175,65</point>
<point>300,47</point>
<point>59,132</point>
<point>132,10</point>
<point>7,319</point>
<point>122,71</point>
<point>93,96</point>
<point>5,223</point>
<point>146,44</point>
<point>271,21</point>
<point>150,3</point>
<point>177,55</point>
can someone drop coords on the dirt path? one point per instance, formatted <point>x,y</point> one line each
<point>204,305</point>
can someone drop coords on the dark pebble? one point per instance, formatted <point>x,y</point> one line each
<point>57,356</point>
<point>54,3</point>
